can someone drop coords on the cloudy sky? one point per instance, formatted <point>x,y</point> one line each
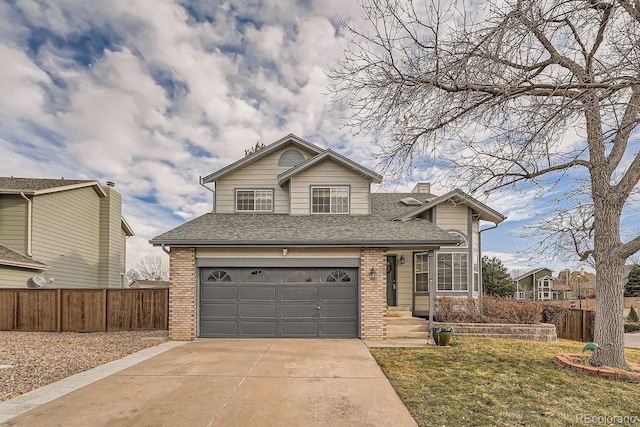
<point>152,94</point>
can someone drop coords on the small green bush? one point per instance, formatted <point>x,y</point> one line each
<point>633,315</point>
<point>630,327</point>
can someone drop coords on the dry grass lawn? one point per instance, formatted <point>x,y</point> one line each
<point>491,382</point>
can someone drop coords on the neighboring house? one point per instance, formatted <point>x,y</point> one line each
<point>141,284</point>
<point>534,285</point>
<point>298,246</point>
<point>70,231</point>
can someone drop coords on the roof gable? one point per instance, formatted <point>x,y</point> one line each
<point>338,158</point>
<point>486,213</point>
<point>290,139</point>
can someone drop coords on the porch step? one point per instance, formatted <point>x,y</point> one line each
<point>399,312</point>
<point>408,334</point>
<point>405,321</point>
<point>403,325</point>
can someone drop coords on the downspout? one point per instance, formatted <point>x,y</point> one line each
<point>29,222</point>
<point>480,287</point>
<point>166,251</point>
<point>201,182</point>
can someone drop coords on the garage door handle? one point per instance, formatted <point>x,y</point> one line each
<point>318,308</point>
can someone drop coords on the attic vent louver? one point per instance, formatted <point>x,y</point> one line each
<point>410,201</point>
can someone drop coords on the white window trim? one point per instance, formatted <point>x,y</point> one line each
<point>254,190</point>
<point>416,272</point>
<point>331,188</point>
<point>453,283</point>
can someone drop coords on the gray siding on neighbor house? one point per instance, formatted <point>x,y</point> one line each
<point>13,223</point>
<point>261,174</point>
<point>111,246</point>
<point>12,277</point>
<point>325,173</point>
<point>66,236</point>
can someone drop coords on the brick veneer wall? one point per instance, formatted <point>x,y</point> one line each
<point>373,294</point>
<point>182,294</point>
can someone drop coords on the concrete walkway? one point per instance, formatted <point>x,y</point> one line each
<point>236,382</point>
<point>632,340</point>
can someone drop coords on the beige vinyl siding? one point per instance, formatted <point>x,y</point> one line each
<point>329,173</point>
<point>66,236</point>
<point>277,253</point>
<point>453,217</point>
<point>13,223</point>
<point>11,277</point>
<point>261,174</point>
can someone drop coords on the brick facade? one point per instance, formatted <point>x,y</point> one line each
<point>373,294</point>
<point>182,294</point>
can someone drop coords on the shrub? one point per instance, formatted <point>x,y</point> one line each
<point>633,315</point>
<point>554,314</point>
<point>630,327</point>
<point>489,310</point>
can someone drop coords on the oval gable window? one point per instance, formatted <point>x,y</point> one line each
<point>290,158</point>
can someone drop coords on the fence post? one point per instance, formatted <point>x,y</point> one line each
<point>59,309</point>
<point>104,306</point>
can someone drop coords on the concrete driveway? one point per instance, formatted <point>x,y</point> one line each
<point>236,382</point>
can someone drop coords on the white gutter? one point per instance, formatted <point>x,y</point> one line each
<point>29,225</point>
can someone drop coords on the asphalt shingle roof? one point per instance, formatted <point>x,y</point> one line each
<point>283,229</point>
<point>35,184</point>
<point>12,258</point>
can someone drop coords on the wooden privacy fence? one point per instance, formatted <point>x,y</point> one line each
<point>576,325</point>
<point>83,310</point>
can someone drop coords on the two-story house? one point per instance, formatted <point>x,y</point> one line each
<point>69,232</point>
<point>297,245</point>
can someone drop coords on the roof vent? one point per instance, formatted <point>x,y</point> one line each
<point>410,201</point>
<point>111,183</point>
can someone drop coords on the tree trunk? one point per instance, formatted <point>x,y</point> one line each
<point>609,322</point>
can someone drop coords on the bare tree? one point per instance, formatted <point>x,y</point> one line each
<point>150,267</point>
<point>512,95</point>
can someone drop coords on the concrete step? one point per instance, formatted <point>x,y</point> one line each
<point>399,312</point>
<point>407,328</point>
<point>405,321</point>
<point>405,334</point>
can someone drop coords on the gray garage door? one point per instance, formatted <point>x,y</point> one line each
<point>279,302</point>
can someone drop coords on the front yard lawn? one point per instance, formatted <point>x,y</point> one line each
<point>492,382</point>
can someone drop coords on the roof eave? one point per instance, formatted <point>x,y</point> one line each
<point>285,176</point>
<point>29,266</point>
<point>352,244</point>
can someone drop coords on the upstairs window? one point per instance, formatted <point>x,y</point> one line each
<point>330,200</point>
<point>254,200</point>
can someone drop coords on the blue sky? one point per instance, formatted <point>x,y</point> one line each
<point>152,94</point>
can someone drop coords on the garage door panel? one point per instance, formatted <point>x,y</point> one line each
<point>339,293</point>
<point>299,310</point>
<point>299,293</point>
<point>299,328</point>
<point>265,328</point>
<point>218,310</point>
<point>338,310</point>
<point>219,292</point>
<point>220,327</point>
<point>249,310</point>
<point>257,293</point>
<point>338,329</point>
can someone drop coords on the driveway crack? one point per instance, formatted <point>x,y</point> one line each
<point>213,420</point>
